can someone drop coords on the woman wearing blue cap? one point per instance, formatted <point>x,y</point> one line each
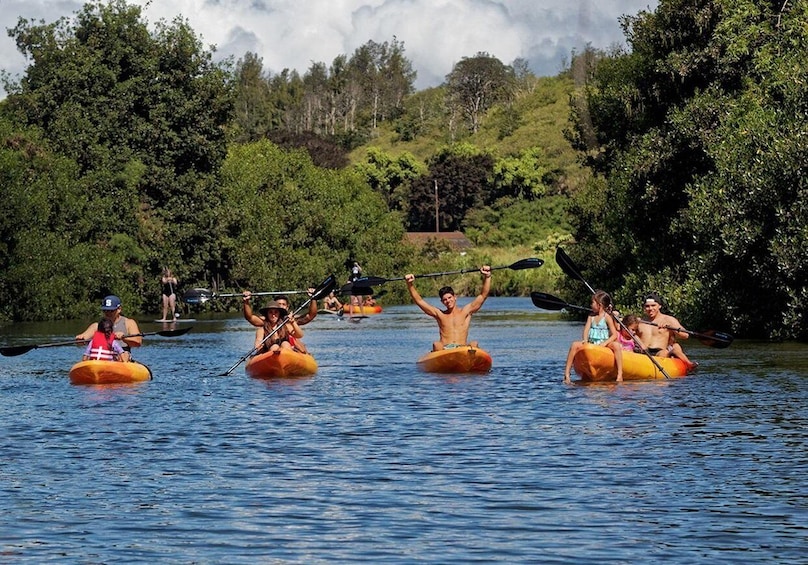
<point>121,325</point>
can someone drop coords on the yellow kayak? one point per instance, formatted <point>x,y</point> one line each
<point>97,372</point>
<point>361,310</point>
<point>280,364</point>
<point>596,363</point>
<point>462,359</point>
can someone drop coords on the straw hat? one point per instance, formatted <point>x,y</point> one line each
<point>273,305</point>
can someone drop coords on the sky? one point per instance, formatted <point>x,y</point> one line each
<point>436,33</point>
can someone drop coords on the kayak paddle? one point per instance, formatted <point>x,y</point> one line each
<point>550,302</point>
<point>15,350</point>
<point>365,282</point>
<point>711,338</point>
<point>202,295</point>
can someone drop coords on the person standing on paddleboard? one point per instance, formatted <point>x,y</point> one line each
<point>169,294</point>
<point>453,322</point>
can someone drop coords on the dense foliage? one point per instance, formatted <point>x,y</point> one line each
<point>701,142</point>
<point>114,163</point>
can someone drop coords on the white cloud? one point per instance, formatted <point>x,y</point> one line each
<point>436,33</point>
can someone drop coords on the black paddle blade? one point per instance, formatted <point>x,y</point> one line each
<point>197,296</point>
<point>531,263</point>
<point>547,301</point>
<point>566,264</point>
<point>325,288</point>
<point>712,338</point>
<point>14,350</point>
<point>550,302</point>
<point>355,289</point>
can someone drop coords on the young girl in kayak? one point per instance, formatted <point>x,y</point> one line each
<point>630,322</point>
<point>600,329</point>
<point>102,346</point>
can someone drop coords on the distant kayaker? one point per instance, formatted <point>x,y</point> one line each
<point>103,347</point>
<point>121,325</point>
<point>332,303</point>
<point>356,272</point>
<point>659,331</point>
<point>355,301</point>
<point>600,329</point>
<point>453,322</point>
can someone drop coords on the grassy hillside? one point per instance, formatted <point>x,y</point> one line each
<point>535,119</point>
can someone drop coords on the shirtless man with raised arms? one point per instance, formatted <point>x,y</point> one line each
<point>453,322</point>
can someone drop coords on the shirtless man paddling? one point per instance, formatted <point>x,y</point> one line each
<point>654,336</point>
<point>453,322</point>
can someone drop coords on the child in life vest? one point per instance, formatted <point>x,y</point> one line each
<point>103,347</point>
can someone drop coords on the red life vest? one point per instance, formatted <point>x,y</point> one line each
<point>101,348</point>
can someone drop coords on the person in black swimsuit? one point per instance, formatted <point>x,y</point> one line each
<point>169,282</point>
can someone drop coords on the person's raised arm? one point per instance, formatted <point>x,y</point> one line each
<point>312,313</point>
<point>246,310</point>
<point>477,303</point>
<point>416,297</point>
<point>293,328</point>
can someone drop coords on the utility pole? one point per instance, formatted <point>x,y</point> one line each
<point>437,223</point>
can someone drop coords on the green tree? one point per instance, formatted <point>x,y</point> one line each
<point>476,84</point>
<point>523,176</point>
<point>144,116</point>
<point>461,173</point>
<point>253,111</point>
<point>700,135</point>
<point>289,223</point>
<point>54,261</point>
<point>391,176</point>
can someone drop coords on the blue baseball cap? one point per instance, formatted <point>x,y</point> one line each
<point>111,302</point>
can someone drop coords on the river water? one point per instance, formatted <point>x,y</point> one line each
<point>371,460</point>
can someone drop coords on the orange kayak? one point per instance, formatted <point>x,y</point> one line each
<point>361,310</point>
<point>596,363</point>
<point>280,364</point>
<point>96,372</point>
<point>463,359</point>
